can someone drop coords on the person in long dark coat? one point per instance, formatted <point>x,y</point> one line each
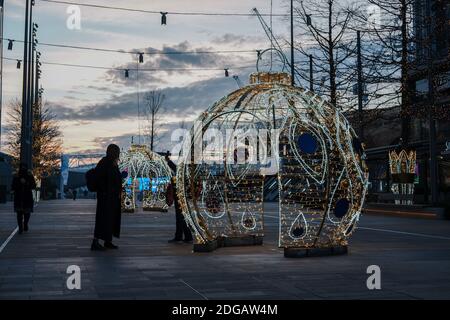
<point>23,185</point>
<point>109,191</point>
<point>181,227</point>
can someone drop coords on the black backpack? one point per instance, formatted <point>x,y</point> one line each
<point>91,180</point>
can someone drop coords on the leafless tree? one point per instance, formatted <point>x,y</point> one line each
<point>324,33</point>
<point>389,50</point>
<point>153,107</point>
<point>328,33</point>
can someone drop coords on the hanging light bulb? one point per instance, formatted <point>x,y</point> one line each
<point>127,73</point>
<point>10,44</point>
<point>163,18</point>
<point>227,74</point>
<point>19,63</point>
<point>141,58</point>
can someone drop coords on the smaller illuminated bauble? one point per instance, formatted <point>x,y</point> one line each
<point>147,177</point>
<point>403,168</point>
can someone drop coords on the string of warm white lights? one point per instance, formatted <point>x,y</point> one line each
<point>162,13</point>
<point>18,61</point>
<point>140,56</point>
<point>59,45</point>
<point>126,70</point>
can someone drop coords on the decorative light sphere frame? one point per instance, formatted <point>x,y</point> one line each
<point>270,129</point>
<point>148,173</point>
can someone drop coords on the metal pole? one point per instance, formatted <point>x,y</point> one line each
<point>432,122</point>
<point>32,73</point>
<point>1,66</point>
<point>425,178</point>
<point>23,133</point>
<point>138,100</point>
<point>31,82</point>
<point>36,82</point>
<point>292,45</point>
<point>360,86</point>
<point>433,162</point>
<point>61,178</point>
<point>30,88</point>
<point>311,78</point>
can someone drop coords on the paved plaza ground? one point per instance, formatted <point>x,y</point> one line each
<point>413,254</point>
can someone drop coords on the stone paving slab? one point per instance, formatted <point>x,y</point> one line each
<point>413,254</point>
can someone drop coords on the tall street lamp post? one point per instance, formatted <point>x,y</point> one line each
<point>24,134</point>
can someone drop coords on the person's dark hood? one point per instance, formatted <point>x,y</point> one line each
<point>113,152</point>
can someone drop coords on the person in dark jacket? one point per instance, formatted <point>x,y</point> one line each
<point>181,227</point>
<point>23,185</point>
<point>109,191</point>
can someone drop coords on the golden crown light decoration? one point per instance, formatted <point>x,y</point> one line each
<point>402,164</point>
<point>270,128</point>
<point>147,174</point>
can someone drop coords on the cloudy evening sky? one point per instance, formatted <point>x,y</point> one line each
<point>96,106</point>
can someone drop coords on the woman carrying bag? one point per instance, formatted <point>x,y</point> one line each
<point>23,185</point>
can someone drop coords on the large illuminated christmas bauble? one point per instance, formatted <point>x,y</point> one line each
<point>147,178</point>
<point>271,135</point>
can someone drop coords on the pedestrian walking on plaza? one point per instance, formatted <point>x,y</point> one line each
<point>108,185</point>
<point>181,227</point>
<point>74,194</point>
<point>23,185</point>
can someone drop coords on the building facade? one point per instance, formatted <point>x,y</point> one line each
<point>431,60</point>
